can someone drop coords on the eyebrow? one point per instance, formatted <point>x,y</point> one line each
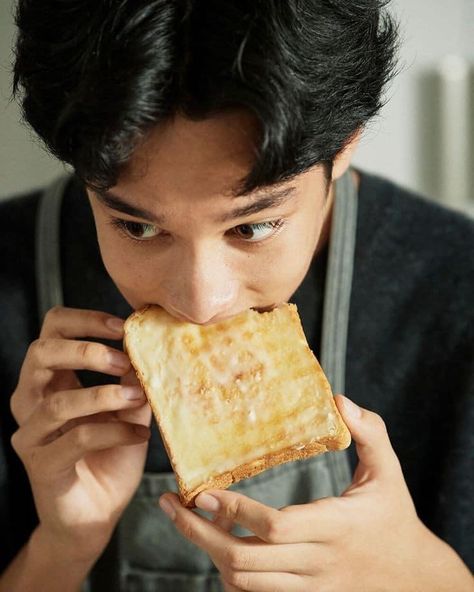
<point>117,203</point>
<point>269,199</point>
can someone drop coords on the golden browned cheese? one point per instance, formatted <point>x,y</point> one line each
<point>234,398</point>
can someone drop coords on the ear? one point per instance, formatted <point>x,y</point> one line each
<point>343,158</point>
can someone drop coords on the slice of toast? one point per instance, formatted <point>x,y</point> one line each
<point>234,398</point>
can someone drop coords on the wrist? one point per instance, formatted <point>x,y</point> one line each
<point>67,551</point>
<point>65,563</point>
<point>45,564</point>
<point>439,567</point>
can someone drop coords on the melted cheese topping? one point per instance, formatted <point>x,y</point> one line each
<point>229,393</point>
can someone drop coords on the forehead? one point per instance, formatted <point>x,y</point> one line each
<point>207,158</point>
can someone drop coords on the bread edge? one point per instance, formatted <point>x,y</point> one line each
<point>252,468</point>
<point>339,441</point>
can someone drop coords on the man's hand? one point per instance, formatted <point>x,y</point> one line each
<point>368,540</point>
<point>84,449</point>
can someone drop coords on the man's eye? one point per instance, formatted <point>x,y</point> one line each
<point>136,230</point>
<point>257,232</point>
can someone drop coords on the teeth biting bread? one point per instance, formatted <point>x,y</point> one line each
<point>233,398</point>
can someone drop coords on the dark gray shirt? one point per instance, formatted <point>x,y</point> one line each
<point>410,343</point>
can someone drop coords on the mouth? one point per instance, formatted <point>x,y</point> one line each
<point>264,308</point>
<point>184,319</point>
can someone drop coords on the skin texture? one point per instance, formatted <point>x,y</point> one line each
<point>367,540</point>
<point>80,447</point>
<point>84,449</point>
<point>199,268</point>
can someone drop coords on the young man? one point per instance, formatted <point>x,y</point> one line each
<point>211,145</point>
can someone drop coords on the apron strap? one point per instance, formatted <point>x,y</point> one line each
<point>49,286</point>
<point>336,307</point>
<point>48,253</point>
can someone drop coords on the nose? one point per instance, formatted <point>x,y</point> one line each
<point>201,289</point>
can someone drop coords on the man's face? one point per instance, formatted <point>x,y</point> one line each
<point>194,248</point>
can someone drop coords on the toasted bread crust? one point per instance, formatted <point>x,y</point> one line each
<point>336,441</point>
<point>259,465</point>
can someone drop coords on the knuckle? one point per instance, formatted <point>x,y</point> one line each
<point>238,579</point>
<point>238,560</point>
<point>115,390</point>
<point>235,508</point>
<point>80,436</point>
<point>87,350</point>
<point>56,310</point>
<point>15,441</point>
<point>275,529</point>
<point>14,406</point>
<point>27,455</point>
<point>23,403</point>
<point>55,407</point>
<point>53,314</point>
<point>104,392</point>
<point>37,349</point>
<point>185,528</point>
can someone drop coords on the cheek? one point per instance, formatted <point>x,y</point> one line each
<point>266,275</point>
<point>279,271</point>
<point>129,267</point>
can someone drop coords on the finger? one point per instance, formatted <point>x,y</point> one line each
<point>231,553</point>
<point>298,558</point>
<point>315,522</point>
<point>68,354</point>
<point>222,522</point>
<point>264,582</point>
<point>377,458</point>
<point>260,519</point>
<point>66,451</point>
<point>70,323</point>
<point>139,414</point>
<point>61,407</point>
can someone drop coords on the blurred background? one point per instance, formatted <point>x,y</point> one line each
<point>423,139</point>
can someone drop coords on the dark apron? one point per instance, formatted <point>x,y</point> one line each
<point>147,554</point>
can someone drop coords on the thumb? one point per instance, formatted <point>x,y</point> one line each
<point>376,455</point>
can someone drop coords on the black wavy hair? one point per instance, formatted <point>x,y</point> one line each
<point>94,76</point>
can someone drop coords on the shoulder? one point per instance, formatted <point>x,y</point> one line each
<point>17,240</point>
<point>405,209</point>
<point>18,327</point>
<point>18,323</point>
<point>435,232</point>
<point>17,237</point>
<point>417,252</point>
<point>17,220</point>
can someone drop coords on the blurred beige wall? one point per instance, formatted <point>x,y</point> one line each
<point>395,144</point>
<point>23,162</point>
<point>407,142</point>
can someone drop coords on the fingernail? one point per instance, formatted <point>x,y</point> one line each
<point>115,324</point>
<point>132,393</point>
<point>167,508</point>
<point>207,502</point>
<point>352,409</point>
<point>119,360</point>
<point>141,431</point>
